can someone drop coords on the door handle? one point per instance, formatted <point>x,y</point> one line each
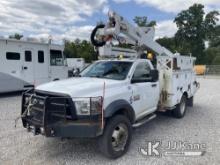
<point>153,85</point>
<point>24,67</point>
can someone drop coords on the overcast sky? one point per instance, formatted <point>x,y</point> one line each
<point>73,19</point>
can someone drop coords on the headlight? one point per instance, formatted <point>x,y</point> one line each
<point>88,106</point>
<point>82,107</point>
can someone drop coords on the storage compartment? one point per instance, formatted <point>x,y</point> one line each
<point>176,77</point>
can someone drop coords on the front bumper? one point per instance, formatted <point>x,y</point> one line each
<point>53,115</point>
<point>71,129</point>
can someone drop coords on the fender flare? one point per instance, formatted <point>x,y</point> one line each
<point>117,106</point>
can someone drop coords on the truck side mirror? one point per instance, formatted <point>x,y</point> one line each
<point>154,74</point>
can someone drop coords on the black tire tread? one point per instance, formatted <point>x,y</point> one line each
<point>103,140</point>
<point>177,111</point>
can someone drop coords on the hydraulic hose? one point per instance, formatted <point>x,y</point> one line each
<point>93,40</point>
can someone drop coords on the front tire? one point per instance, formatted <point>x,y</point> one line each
<point>180,110</point>
<point>116,138</point>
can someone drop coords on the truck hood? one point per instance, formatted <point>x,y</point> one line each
<point>80,86</point>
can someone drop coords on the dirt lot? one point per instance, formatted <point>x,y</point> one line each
<point>200,125</point>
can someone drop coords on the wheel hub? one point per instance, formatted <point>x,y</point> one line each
<point>119,137</point>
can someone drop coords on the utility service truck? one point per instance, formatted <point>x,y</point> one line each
<point>122,90</point>
<point>24,64</point>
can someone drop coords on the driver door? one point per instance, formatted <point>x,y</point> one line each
<point>145,92</point>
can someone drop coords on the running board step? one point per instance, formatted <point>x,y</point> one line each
<point>144,120</point>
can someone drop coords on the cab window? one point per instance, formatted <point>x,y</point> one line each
<point>142,71</point>
<point>56,58</point>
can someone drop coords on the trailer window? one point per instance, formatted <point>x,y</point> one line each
<point>41,56</point>
<point>28,56</point>
<point>12,56</point>
<point>56,58</point>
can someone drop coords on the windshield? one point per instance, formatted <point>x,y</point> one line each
<point>116,70</point>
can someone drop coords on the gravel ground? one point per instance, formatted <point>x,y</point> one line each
<point>200,125</point>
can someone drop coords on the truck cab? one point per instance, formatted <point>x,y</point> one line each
<point>83,106</point>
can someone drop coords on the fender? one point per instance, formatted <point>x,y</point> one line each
<point>118,105</point>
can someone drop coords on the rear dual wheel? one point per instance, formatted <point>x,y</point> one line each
<point>180,110</point>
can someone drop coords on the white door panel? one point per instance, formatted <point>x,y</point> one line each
<point>42,66</point>
<point>145,97</point>
<point>145,92</point>
<point>28,56</point>
<point>11,68</point>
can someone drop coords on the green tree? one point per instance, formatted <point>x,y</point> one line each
<point>16,36</point>
<point>172,45</point>
<point>70,49</point>
<point>143,22</point>
<point>80,49</point>
<point>216,61</point>
<point>168,43</point>
<point>210,24</point>
<point>211,54</point>
<point>214,41</point>
<point>194,27</point>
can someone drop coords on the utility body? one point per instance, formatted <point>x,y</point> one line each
<point>114,94</point>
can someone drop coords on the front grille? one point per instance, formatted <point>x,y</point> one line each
<point>37,116</point>
<point>50,112</point>
<point>48,108</point>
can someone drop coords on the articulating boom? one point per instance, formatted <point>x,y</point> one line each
<point>119,29</point>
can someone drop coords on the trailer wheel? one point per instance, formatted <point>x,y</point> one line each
<point>116,138</point>
<point>180,110</point>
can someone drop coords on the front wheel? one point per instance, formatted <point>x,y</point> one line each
<point>116,138</point>
<point>180,110</point>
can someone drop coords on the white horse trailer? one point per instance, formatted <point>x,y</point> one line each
<point>25,64</point>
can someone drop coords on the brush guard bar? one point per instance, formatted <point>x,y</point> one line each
<point>54,115</point>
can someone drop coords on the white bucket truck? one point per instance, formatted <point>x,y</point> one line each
<point>114,94</point>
